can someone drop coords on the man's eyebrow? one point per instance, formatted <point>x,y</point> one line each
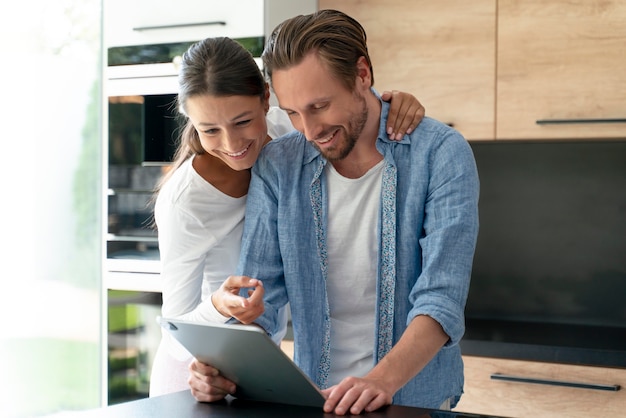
<point>309,105</point>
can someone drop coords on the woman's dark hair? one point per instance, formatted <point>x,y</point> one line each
<point>216,67</point>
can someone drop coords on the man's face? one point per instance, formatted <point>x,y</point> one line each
<point>330,116</point>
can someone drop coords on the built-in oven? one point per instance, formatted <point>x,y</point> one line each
<point>143,131</point>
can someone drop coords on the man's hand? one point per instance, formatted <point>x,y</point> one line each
<point>229,303</point>
<point>354,395</point>
<point>405,113</point>
<point>206,383</point>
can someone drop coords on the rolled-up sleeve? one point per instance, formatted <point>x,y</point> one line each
<point>448,237</point>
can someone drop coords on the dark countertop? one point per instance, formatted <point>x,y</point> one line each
<point>183,405</point>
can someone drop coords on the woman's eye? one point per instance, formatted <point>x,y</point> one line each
<point>244,122</point>
<point>211,131</point>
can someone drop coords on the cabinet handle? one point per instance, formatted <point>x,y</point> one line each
<point>131,238</point>
<point>566,121</point>
<point>180,25</point>
<point>595,386</point>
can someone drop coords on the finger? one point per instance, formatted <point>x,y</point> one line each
<point>377,402</point>
<point>410,115</point>
<point>247,310</point>
<point>364,398</point>
<point>206,384</point>
<point>401,124</point>
<point>226,302</point>
<point>333,396</point>
<point>249,314</point>
<point>353,401</point>
<point>203,392</point>
<point>256,295</point>
<point>414,116</point>
<point>234,283</point>
<point>227,298</point>
<point>395,108</point>
<point>338,399</point>
<point>196,366</point>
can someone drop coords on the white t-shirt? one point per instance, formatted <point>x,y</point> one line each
<point>353,213</point>
<point>200,232</point>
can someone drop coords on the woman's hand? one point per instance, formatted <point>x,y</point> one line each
<point>228,301</point>
<point>405,113</point>
<point>206,383</point>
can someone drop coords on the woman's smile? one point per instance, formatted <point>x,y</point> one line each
<point>238,154</point>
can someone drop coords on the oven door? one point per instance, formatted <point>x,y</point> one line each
<point>143,131</point>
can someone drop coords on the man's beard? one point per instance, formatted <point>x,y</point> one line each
<point>355,128</point>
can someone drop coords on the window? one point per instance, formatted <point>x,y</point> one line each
<point>50,216</point>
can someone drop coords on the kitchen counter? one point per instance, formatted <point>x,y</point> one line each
<point>183,405</point>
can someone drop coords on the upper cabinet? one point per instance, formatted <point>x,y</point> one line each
<point>504,69</point>
<point>443,52</point>
<point>150,22</point>
<point>561,69</point>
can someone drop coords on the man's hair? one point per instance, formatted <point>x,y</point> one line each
<point>338,39</point>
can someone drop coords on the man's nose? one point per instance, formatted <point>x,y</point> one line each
<point>310,127</point>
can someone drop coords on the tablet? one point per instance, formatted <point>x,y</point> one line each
<point>246,355</point>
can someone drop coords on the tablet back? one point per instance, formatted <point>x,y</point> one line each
<point>248,357</point>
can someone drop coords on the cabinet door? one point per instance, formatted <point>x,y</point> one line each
<point>486,395</point>
<point>561,62</point>
<point>443,52</point>
<point>148,22</point>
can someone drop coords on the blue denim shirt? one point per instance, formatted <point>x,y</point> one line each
<point>428,229</point>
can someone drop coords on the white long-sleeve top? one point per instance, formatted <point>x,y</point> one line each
<point>199,230</point>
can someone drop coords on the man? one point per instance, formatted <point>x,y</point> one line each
<point>370,241</point>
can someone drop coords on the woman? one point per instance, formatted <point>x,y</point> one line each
<point>200,203</point>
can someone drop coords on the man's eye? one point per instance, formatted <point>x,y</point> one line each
<point>320,106</point>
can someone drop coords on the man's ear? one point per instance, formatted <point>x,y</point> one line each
<point>364,73</point>
<point>266,98</point>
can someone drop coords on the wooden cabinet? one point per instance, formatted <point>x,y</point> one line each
<point>486,395</point>
<point>561,60</point>
<point>443,52</point>
<point>495,68</point>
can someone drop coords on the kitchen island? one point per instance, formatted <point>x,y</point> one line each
<point>183,405</point>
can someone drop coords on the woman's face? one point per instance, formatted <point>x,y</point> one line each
<point>231,128</point>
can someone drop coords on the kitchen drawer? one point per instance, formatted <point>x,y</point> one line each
<point>151,22</point>
<point>486,395</point>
